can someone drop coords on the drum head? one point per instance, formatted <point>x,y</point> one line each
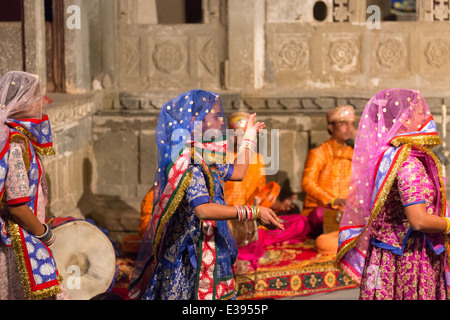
<point>268,195</point>
<point>85,259</point>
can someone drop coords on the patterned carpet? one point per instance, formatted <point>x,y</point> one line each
<point>125,265</point>
<point>289,270</point>
<point>286,270</point>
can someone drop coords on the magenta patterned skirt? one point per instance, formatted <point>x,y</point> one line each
<point>418,274</point>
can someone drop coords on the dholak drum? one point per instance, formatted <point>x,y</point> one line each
<point>244,232</point>
<point>268,195</point>
<point>331,220</point>
<point>85,259</point>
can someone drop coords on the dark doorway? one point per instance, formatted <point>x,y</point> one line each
<point>10,11</point>
<point>54,30</point>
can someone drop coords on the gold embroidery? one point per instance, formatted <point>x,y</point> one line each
<point>46,151</point>
<point>429,141</point>
<point>443,204</point>
<point>24,278</point>
<point>26,133</point>
<point>404,152</point>
<point>170,210</point>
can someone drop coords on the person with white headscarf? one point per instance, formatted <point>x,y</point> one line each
<point>27,267</point>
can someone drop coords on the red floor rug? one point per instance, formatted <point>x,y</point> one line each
<point>125,265</point>
<point>285,271</point>
<point>289,270</point>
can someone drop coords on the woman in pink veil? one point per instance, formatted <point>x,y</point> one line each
<point>393,235</point>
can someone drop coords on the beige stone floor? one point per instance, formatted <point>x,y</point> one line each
<point>346,294</point>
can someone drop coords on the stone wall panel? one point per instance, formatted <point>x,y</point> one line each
<point>11,56</point>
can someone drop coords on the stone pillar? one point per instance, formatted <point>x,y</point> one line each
<point>147,13</point>
<point>246,46</point>
<point>357,11</point>
<point>76,42</point>
<point>102,21</point>
<point>35,50</point>
<point>11,56</point>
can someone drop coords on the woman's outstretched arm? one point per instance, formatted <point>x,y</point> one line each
<point>245,154</point>
<point>214,211</point>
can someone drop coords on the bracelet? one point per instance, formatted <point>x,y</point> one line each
<point>46,232</point>
<point>251,146</point>
<point>247,213</point>
<point>48,237</point>
<point>447,230</point>
<point>332,202</point>
<point>249,141</point>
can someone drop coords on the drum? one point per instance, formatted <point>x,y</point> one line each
<point>85,258</point>
<point>268,195</point>
<point>244,232</point>
<point>331,220</point>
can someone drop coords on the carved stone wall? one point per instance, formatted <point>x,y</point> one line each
<point>348,57</point>
<point>155,56</point>
<point>283,59</point>
<point>278,60</point>
<point>11,57</point>
<point>71,172</point>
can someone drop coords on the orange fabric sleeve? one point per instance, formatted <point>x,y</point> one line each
<point>239,192</point>
<point>146,211</point>
<point>255,178</point>
<point>315,163</point>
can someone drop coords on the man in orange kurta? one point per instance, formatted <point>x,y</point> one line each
<point>146,211</point>
<point>326,177</point>
<point>238,193</point>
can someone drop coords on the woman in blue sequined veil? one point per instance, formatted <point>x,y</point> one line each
<point>188,251</point>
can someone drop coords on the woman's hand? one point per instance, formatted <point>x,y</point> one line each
<point>286,205</point>
<point>254,127</point>
<point>247,148</point>
<point>340,204</point>
<point>269,219</point>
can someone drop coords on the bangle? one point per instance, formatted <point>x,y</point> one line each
<point>46,232</point>
<point>256,213</point>
<point>247,145</point>
<point>448,225</point>
<point>239,213</point>
<point>332,202</point>
<point>48,237</point>
<point>249,142</point>
<point>247,213</point>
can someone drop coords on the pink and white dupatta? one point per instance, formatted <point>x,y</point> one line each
<point>394,122</point>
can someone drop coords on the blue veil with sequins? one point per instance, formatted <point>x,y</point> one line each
<point>191,129</point>
<point>190,119</point>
